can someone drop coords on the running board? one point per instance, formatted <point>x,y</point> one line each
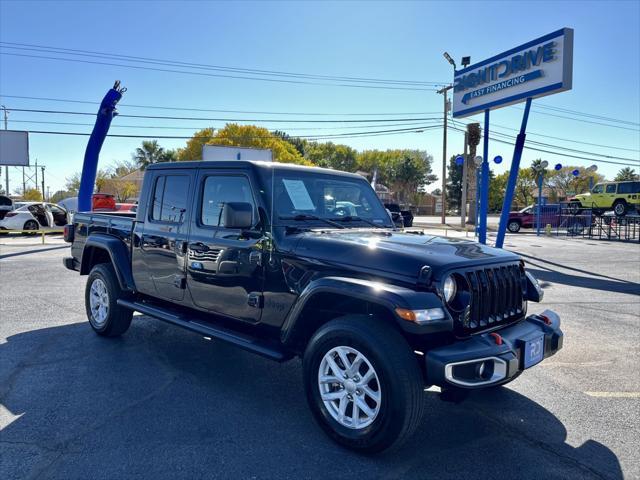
<point>241,340</point>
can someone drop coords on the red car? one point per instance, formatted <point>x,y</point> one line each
<point>526,218</point>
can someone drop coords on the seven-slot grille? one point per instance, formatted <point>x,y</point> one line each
<point>496,297</point>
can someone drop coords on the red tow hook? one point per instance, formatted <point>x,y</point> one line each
<point>545,319</point>
<point>497,338</point>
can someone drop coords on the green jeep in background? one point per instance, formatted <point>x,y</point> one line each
<point>617,196</point>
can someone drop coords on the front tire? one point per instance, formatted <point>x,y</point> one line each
<point>363,383</point>
<point>105,316</point>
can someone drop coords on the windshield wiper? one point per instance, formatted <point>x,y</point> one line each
<point>305,216</point>
<point>351,218</point>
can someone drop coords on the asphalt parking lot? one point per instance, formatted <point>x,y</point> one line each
<point>165,403</point>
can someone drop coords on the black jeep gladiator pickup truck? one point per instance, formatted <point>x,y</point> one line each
<point>286,261</point>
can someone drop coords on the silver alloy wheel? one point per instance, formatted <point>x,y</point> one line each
<point>31,225</point>
<point>619,209</point>
<point>514,227</point>
<point>99,303</point>
<point>349,387</point>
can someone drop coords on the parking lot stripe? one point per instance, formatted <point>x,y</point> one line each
<point>614,394</point>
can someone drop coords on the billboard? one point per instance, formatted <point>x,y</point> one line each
<point>540,67</point>
<point>217,152</point>
<point>14,148</point>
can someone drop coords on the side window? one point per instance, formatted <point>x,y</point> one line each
<point>170,196</point>
<point>598,188</point>
<point>629,187</point>
<point>611,188</point>
<point>218,190</point>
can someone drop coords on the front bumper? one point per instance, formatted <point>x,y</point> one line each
<point>480,361</point>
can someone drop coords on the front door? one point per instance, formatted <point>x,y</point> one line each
<point>163,240</point>
<point>224,266</point>
<point>597,196</point>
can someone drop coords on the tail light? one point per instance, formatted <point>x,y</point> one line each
<point>68,233</point>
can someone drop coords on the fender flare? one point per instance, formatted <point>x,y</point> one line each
<point>385,295</point>
<point>118,253</point>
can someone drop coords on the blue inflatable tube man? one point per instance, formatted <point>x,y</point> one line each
<point>101,128</point>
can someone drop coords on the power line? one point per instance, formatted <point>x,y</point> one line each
<point>593,160</point>
<point>205,74</point>
<point>268,120</point>
<point>192,109</point>
<point>584,114</point>
<point>315,137</point>
<point>90,53</point>
<point>585,121</point>
<point>163,127</point>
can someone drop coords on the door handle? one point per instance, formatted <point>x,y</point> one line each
<point>198,247</point>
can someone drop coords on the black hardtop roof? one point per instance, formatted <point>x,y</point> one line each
<point>230,164</point>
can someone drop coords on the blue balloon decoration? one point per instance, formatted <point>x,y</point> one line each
<point>90,166</point>
<point>576,172</point>
<point>459,160</point>
<point>558,166</point>
<point>497,159</point>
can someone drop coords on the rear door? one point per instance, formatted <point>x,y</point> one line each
<point>164,236</point>
<point>224,266</point>
<point>630,192</point>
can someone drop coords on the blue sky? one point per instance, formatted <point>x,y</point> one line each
<point>391,40</point>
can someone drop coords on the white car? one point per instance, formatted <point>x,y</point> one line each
<point>35,216</point>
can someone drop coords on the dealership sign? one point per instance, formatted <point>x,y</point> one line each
<point>537,68</point>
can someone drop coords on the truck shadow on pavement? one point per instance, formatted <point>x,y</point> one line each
<point>164,403</point>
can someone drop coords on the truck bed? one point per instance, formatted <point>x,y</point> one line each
<point>117,224</point>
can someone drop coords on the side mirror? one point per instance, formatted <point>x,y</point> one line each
<point>237,215</point>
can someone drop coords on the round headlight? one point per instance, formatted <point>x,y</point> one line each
<point>449,288</point>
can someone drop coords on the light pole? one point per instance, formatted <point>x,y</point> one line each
<point>444,91</point>
<point>539,170</point>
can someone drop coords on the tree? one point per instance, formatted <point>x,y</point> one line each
<point>150,152</point>
<point>61,195</point>
<point>73,184</point>
<point>563,183</point>
<point>193,149</point>
<point>525,186</point>
<point>102,177</point>
<point>243,136</point>
<point>124,167</point>
<point>299,143</point>
<point>330,155</point>
<point>474,134</point>
<point>454,184</point>
<point>497,187</point>
<point>32,195</point>
<point>627,173</point>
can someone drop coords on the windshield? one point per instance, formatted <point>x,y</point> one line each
<point>300,196</point>
<point>526,209</point>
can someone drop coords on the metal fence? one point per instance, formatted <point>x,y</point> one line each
<point>565,219</point>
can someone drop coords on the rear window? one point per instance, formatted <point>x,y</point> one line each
<point>629,187</point>
<point>170,195</point>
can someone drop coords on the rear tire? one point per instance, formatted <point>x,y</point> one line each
<point>574,208</point>
<point>390,404</point>
<point>620,208</point>
<point>513,226</point>
<point>30,225</point>
<point>102,292</point>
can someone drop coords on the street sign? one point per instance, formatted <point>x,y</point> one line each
<point>14,148</point>
<point>540,67</point>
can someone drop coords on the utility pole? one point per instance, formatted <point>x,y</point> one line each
<point>444,91</point>
<point>6,179</point>
<point>24,183</point>
<point>36,181</point>
<point>43,197</point>
<point>463,203</point>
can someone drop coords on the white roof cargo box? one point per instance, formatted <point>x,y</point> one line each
<point>217,152</point>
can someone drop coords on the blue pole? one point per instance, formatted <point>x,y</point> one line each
<point>484,183</point>
<point>90,166</point>
<point>513,176</point>
<point>478,174</point>
<point>540,179</point>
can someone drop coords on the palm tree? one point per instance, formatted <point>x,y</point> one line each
<point>474,134</point>
<point>150,152</point>
<point>626,173</point>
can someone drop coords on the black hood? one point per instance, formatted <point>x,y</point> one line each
<point>397,253</point>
